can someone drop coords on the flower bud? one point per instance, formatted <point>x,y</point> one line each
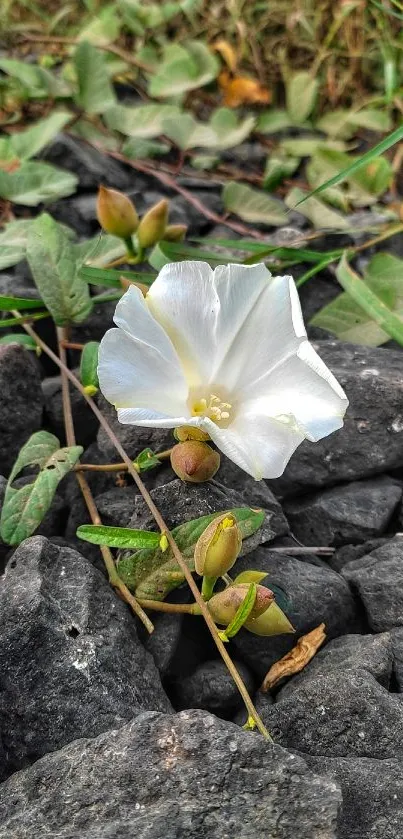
<point>272,622</point>
<point>116,213</point>
<point>218,546</point>
<point>175,232</point>
<point>189,432</point>
<point>224,606</point>
<point>194,461</point>
<point>153,224</point>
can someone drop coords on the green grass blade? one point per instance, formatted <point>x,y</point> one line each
<point>370,155</point>
<point>391,322</point>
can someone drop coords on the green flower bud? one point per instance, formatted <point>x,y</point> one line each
<point>272,622</point>
<point>223,606</point>
<point>153,224</point>
<point>116,213</point>
<point>175,232</point>
<point>194,461</point>
<point>188,432</point>
<point>218,547</point>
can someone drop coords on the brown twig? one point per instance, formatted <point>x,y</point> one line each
<point>115,467</point>
<point>253,714</point>
<point>126,56</point>
<point>114,578</point>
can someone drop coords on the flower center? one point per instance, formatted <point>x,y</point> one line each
<point>212,407</point>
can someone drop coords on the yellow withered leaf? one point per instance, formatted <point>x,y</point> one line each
<point>241,90</point>
<point>227,52</point>
<point>296,659</point>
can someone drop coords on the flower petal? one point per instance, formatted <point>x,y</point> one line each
<point>272,330</point>
<point>184,301</point>
<point>138,366</point>
<point>258,444</point>
<point>303,391</point>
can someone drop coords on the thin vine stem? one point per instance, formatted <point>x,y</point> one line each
<point>114,578</point>
<point>252,712</point>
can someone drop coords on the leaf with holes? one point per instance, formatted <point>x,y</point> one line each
<point>24,509</point>
<point>253,205</point>
<point>153,573</point>
<point>52,260</point>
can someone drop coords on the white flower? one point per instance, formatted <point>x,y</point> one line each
<point>225,351</point>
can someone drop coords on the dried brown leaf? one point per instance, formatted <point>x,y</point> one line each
<point>296,659</point>
<point>240,90</point>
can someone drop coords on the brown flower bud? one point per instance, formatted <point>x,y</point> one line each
<point>218,546</point>
<point>224,606</point>
<point>152,226</point>
<point>194,461</point>
<point>116,213</point>
<point>175,232</point>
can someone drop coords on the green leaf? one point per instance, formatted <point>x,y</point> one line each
<point>95,93</point>
<point>273,120</point>
<point>143,121</point>
<point>366,158</point>
<point>250,577</point>
<point>228,130</point>
<point>4,322</point>
<point>38,81</point>
<point>146,460</point>
<point>35,182</point>
<point>153,574</point>
<point>344,123</point>
<point>20,338</point>
<point>307,146</point>
<point>28,143</point>
<point>166,252</point>
<point>188,133</point>
<point>98,250</point>
<point>89,366</point>
<point>371,302</point>
<point>301,93</point>
<point>321,216</point>
<point>110,278</point>
<point>278,167</point>
<point>184,68</point>
<point>253,205</point>
<point>137,148</point>
<point>52,261</point>
<point>118,537</point>
<point>104,28</point>
<point>362,188</point>
<point>242,613</point>
<point>23,509</point>
<point>7,303</point>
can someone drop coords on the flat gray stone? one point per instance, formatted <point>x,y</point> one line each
<point>378,579</point>
<point>188,776</point>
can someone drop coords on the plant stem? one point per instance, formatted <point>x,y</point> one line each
<point>114,578</point>
<point>164,529</point>
<point>208,587</point>
<point>115,467</point>
<point>172,608</point>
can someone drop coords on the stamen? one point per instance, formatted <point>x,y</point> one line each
<point>213,408</point>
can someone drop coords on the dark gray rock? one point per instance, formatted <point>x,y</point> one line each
<point>71,662</point>
<point>79,213</point>
<point>372,791</point>
<point>371,441</point>
<point>21,402</point>
<point>347,553</point>
<point>186,776</point>
<point>397,648</point>
<point>340,713</point>
<point>315,595</point>
<point>254,493</point>
<point>85,421</point>
<point>96,324</point>
<point>211,687</point>
<point>116,505</point>
<point>178,502</point>
<point>133,438</point>
<point>378,579</point>
<point>372,653</point>
<point>164,641</point>
<point>345,514</point>
<point>90,165</point>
